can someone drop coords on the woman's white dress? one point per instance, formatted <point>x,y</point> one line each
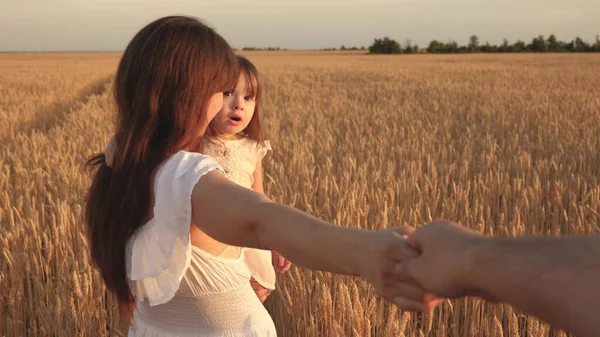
<point>180,289</point>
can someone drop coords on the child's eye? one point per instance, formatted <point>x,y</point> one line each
<point>248,98</point>
<point>227,93</point>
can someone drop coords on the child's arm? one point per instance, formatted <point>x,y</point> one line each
<point>281,263</point>
<point>257,185</point>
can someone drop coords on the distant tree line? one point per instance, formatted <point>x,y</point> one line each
<point>390,46</point>
<point>267,49</point>
<point>537,45</point>
<point>345,48</point>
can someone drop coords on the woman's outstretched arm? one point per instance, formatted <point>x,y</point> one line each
<point>238,216</point>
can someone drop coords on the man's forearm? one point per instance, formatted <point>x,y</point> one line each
<point>555,279</point>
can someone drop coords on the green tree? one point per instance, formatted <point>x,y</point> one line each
<point>385,46</point>
<point>434,47</point>
<point>451,47</point>
<point>519,47</point>
<point>474,44</point>
<point>488,48</point>
<point>553,44</point>
<point>538,44</point>
<point>504,47</point>
<point>570,47</point>
<point>408,48</point>
<point>581,46</point>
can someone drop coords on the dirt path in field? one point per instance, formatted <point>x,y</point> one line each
<point>55,114</point>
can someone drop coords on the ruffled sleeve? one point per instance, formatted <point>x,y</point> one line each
<point>263,148</point>
<point>159,253</point>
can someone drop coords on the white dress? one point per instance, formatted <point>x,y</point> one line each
<point>238,158</point>
<point>181,290</point>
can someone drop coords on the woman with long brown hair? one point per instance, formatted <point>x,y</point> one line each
<point>160,216</point>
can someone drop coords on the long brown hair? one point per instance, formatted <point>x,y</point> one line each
<point>164,81</point>
<point>253,130</point>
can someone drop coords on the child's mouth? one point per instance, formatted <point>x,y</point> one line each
<point>235,120</point>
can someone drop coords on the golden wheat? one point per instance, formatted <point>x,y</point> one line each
<point>506,145</point>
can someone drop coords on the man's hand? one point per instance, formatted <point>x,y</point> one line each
<point>379,260</point>
<point>443,266</point>
<point>555,279</point>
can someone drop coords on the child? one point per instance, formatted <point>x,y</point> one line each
<point>236,141</point>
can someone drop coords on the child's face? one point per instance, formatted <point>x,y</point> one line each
<point>237,110</point>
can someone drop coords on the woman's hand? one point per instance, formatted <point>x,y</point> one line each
<point>260,291</point>
<point>280,263</point>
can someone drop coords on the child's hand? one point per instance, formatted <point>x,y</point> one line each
<point>280,263</point>
<point>260,291</point>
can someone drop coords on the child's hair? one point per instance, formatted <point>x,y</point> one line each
<point>164,81</point>
<point>253,130</point>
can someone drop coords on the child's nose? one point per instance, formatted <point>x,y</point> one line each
<point>237,105</point>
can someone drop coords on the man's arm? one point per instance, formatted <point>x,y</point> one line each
<point>555,279</point>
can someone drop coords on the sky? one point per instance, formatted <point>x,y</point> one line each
<point>108,25</point>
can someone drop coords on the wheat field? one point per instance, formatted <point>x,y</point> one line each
<point>506,145</point>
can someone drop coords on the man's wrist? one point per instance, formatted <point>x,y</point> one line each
<point>477,258</point>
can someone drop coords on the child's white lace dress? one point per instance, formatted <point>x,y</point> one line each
<point>180,289</point>
<point>238,158</point>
